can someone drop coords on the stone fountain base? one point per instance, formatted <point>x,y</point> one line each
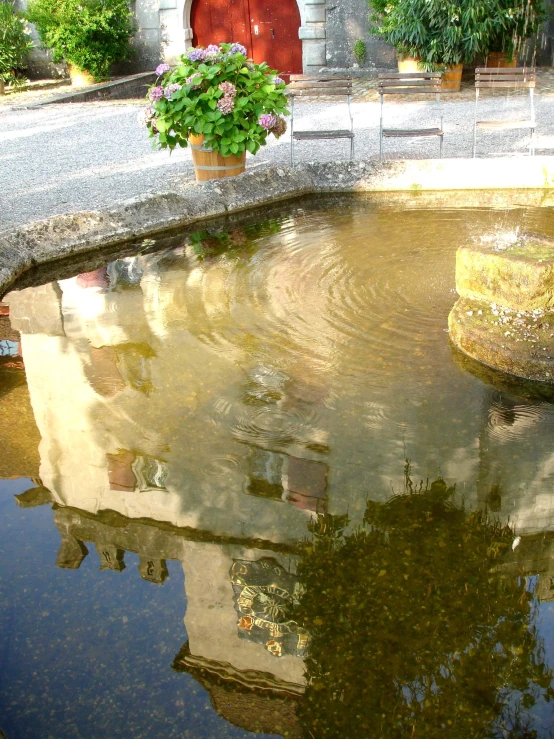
<point>504,317</point>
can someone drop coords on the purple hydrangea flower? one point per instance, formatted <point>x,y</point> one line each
<point>237,49</point>
<point>162,69</point>
<point>228,89</point>
<point>195,55</point>
<point>226,104</point>
<point>170,89</point>
<point>211,52</point>
<point>156,93</point>
<point>267,121</point>
<point>278,81</point>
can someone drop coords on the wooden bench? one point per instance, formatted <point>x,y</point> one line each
<point>515,78</point>
<point>320,86</point>
<point>409,83</point>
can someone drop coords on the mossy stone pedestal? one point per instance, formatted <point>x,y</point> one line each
<point>504,317</point>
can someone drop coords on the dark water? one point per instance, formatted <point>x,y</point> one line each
<point>215,532</point>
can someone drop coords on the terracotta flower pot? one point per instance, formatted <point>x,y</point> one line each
<point>498,59</point>
<point>79,78</point>
<point>452,78</point>
<point>211,165</point>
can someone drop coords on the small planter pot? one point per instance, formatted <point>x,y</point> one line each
<point>79,78</point>
<point>498,59</point>
<point>452,78</point>
<point>409,64</point>
<point>211,165</point>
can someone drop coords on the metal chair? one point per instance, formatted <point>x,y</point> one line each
<point>320,86</point>
<point>409,83</point>
<point>505,78</point>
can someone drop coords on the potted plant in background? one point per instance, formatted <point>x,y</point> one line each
<point>442,35</point>
<point>14,44</point>
<point>221,103</point>
<point>517,21</point>
<point>90,35</point>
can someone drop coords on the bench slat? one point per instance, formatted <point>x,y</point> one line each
<point>410,90</point>
<point>320,83</point>
<point>505,124</point>
<point>514,84</point>
<point>319,78</point>
<point>505,70</point>
<point>321,92</point>
<point>409,83</point>
<point>409,132</point>
<point>504,77</point>
<point>340,134</point>
<point>409,75</point>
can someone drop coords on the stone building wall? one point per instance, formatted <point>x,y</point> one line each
<point>329,29</point>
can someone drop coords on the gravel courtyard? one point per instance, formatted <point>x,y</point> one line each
<point>64,158</point>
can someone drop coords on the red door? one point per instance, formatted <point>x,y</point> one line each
<point>268,29</point>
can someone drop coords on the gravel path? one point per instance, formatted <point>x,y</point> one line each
<point>66,158</point>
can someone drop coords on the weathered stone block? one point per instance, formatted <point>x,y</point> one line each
<point>520,276</point>
<point>517,343</point>
<point>315,13</point>
<point>312,32</point>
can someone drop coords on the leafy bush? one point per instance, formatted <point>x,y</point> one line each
<point>14,42</point>
<point>359,51</point>
<point>90,34</point>
<point>448,32</point>
<point>217,92</point>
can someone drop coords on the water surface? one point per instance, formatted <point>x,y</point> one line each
<point>209,440</point>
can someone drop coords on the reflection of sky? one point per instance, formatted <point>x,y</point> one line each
<point>88,653</point>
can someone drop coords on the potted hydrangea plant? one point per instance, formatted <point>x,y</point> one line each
<point>219,102</point>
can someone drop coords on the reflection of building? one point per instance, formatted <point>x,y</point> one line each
<point>178,420</point>
<point>219,649</point>
<point>135,455</point>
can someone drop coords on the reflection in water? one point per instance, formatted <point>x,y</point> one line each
<point>416,628</point>
<point>205,404</point>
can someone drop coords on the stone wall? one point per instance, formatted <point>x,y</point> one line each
<point>348,22</point>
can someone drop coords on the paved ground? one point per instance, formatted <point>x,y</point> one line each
<point>66,158</point>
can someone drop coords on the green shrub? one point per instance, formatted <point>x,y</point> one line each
<point>90,34</point>
<point>14,42</point>
<point>219,93</point>
<point>359,51</point>
<point>448,32</point>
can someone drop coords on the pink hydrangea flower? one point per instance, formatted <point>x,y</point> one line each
<point>156,93</point>
<point>267,121</point>
<point>226,104</point>
<point>228,89</point>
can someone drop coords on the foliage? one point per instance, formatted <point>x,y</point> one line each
<point>448,32</point>
<point>14,42</point>
<point>417,630</point>
<point>359,51</point>
<point>217,92</point>
<point>521,21</point>
<point>90,34</point>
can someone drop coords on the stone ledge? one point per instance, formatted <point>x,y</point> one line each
<point>188,203</point>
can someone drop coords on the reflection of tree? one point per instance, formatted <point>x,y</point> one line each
<point>414,631</point>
